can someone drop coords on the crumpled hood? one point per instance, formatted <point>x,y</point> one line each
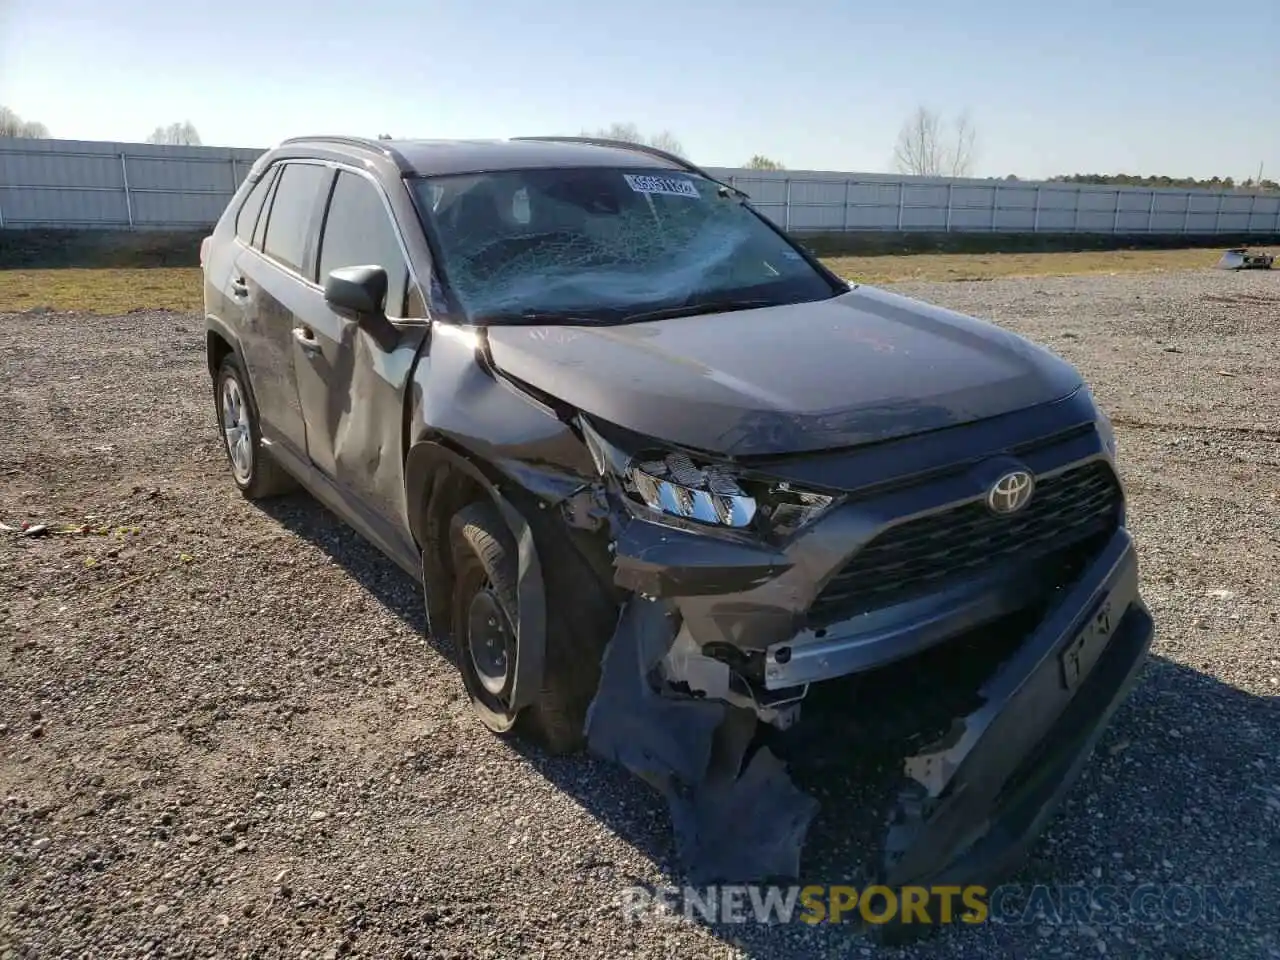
<point>866,365</point>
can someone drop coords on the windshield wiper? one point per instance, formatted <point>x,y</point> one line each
<point>694,309</point>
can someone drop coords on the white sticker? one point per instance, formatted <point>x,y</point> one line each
<point>672,186</point>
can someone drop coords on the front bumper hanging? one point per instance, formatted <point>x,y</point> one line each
<point>969,806</point>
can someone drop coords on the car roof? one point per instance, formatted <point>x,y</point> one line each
<point>426,158</point>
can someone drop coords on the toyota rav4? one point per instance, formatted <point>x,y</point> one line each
<point>659,471</point>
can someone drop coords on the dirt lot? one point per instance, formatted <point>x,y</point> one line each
<point>222,732</point>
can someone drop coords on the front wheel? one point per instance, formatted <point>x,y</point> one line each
<point>485,612</point>
<point>485,615</point>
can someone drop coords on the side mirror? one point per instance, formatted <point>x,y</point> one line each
<point>360,293</point>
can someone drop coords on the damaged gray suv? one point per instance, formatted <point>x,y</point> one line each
<point>660,472</point>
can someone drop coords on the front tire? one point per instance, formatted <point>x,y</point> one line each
<point>253,469</point>
<point>485,608</point>
<point>580,622</point>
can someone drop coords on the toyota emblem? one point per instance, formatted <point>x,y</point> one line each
<point>1011,492</point>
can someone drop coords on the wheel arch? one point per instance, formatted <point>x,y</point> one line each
<point>440,478</point>
<point>219,342</point>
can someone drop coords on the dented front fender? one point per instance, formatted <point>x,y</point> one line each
<point>466,430</point>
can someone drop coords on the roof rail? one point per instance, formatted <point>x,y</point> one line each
<point>641,148</point>
<point>376,146</point>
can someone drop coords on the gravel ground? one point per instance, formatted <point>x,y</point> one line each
<point>222,733</point>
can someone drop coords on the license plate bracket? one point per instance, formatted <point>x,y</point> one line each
<point>1082,653</point>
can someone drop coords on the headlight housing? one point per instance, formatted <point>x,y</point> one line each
<point>675,484</point>
<point>1108,433</point>
<point>1106,430</point>
<point>787,510</point>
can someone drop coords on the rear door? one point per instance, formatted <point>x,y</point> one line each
<point>271,277</point>
<point>225,294</point>
<point>350,387</point>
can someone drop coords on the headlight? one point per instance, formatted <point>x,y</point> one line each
<point>673,483</point>
<point>675,486</point>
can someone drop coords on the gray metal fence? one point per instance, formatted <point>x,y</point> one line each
<point>77,183</point>
<point>817,201</point>
<point>80,183</point>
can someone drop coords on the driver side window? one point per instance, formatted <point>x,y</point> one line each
<point>358,232</point>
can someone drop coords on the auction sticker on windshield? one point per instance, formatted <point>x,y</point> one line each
<point>673,186</point>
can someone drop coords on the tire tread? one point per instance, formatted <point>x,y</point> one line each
<point>579,623</point>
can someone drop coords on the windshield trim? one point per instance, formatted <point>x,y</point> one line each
<point>454,308</point>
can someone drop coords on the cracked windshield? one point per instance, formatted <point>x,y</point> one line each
<point>607,244</point>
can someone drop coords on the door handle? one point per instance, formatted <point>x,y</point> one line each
<point>306,339</point>
<point>238,287</point>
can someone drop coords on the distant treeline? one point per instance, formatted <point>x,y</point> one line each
<point>1132,180</point>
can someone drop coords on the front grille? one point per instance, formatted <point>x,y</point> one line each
<point>924,555</point>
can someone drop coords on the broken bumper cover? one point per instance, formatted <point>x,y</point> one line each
<point>979,799</point>
<point>772,599</point>
<point>971,805</point>
<point>756,599</point>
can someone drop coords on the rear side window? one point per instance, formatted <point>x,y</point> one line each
<point>247,218</point>
<point>358,231</point>
<point>260,231</point>
<point>295,198</point>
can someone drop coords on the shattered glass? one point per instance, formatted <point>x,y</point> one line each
<point>587,241</point>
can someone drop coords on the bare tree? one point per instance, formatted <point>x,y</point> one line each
<point>761,162</point>
<point>12,125</point>
<point>929,147</point>
<point>963,142</point>
<point>666,140</point>
<point>629,132</point>
<point>181,134</point>
<point>618,131</point>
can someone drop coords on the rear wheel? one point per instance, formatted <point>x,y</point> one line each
<point>486,612</point>
<point>252,467</point>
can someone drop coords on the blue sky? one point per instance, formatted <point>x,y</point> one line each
<point>1140,87</point>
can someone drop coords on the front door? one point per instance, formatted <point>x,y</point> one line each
<point>352,389</point>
